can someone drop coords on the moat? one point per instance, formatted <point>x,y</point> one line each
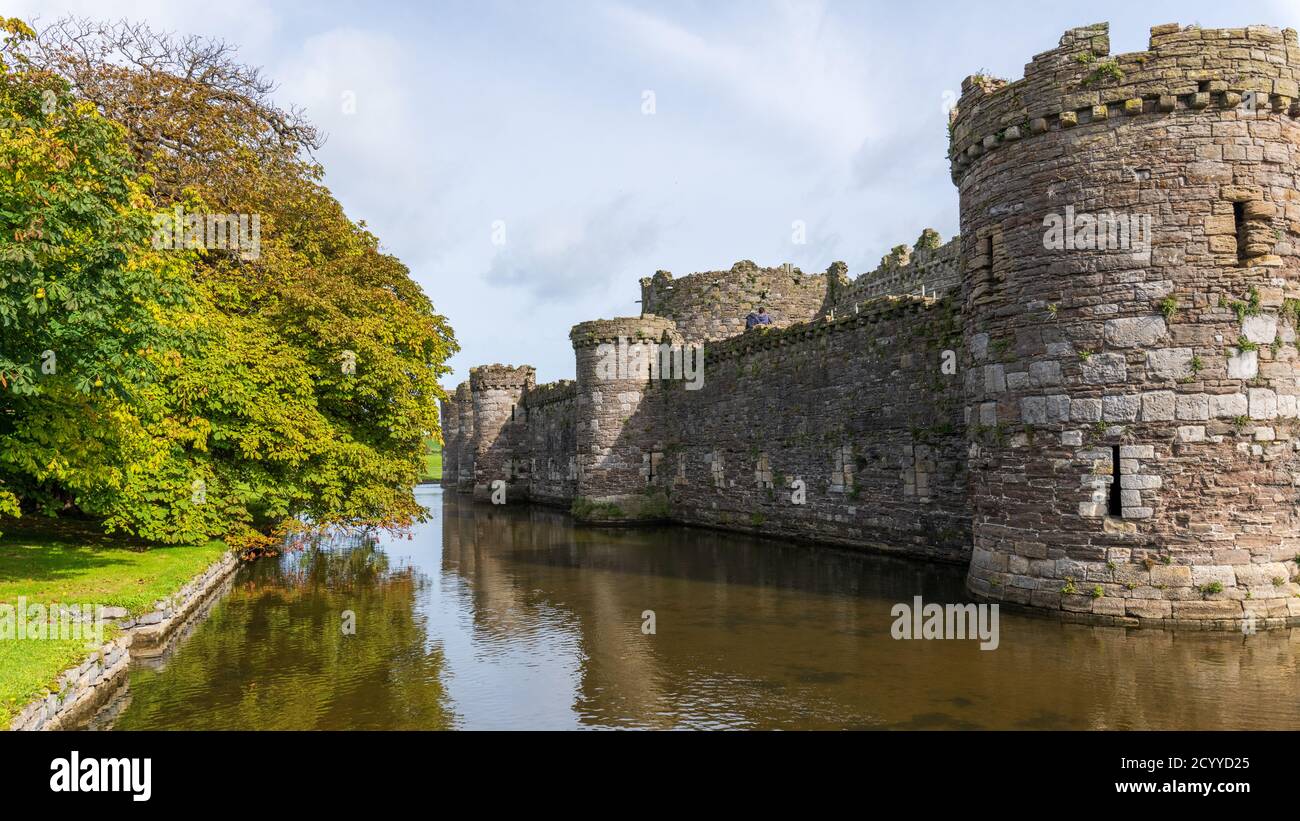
<point>513,618</point>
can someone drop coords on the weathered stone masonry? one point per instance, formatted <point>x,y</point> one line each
<point>1118,445</point>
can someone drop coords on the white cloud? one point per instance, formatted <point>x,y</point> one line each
<point>790,65</point>
<point>560,257</point>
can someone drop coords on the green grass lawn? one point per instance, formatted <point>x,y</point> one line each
<point>67,562</point>
<point>432,462</point>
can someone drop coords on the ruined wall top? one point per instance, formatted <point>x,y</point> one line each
<point>929,265</point>
<point>502,377</point>
<point>1079,82</point>
<point>712,305</point>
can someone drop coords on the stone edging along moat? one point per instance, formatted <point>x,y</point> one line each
<point>82,689</point>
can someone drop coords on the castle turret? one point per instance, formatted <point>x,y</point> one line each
<point>450,419</point>
<point>620,415</point>
<point>499,429</point>
<point>1129,229</point>
<point>463,478</point>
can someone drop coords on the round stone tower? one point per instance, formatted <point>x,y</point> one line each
<point>463,480</point>
<point>449,418</point>
<point>1129,229</point>
<point>499,429</point>
<point>620,415</point>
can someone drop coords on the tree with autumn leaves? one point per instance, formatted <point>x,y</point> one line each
<point>181,394</point>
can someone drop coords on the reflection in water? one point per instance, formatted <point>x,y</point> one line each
<point>512,618</point>
<point>273,654</point>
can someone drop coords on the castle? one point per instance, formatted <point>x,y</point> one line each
<point>1098,421</point>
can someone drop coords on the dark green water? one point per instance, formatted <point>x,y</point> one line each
<point>492,618</point>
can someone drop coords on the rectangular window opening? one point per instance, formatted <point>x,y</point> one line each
<point>1116,506</point>
<point>1239,222</point>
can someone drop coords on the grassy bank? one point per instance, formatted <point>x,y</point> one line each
<point>432,462</point>
<point>53,561</point>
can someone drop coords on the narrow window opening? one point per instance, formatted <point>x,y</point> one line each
<point>988,254</point>
<point>512,413</point>
<point>1116,507</point>
<point>1239,222</point>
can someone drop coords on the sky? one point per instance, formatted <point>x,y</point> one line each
<point>530,160</point>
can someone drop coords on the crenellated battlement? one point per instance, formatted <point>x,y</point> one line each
<point>502,377</point>
<point>1079,82</point>
<point>646,328</point>
<point>550,393</point>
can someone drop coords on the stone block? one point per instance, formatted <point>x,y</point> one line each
<point>1104,369</point>
<point>988,413</point>
<point>1192,407</point>
<point>1207,574</point>
<point>1085,410</point>
<point>1263,403</point>
<point>1243,364</point>
<point>1157,406</point>
<point>1171,575</point>
<point>1058,408</point>
<point>1261,329</point>
<point>1201,610</point>
<point>1130,332</point>
<point>1140,481</point>
<point>1170,363</point>
<point>1045,374</point>
<point>1120,408</point>
<point>1033,410</point>
<point>995,380</point>
<point>1228,405</point>
<point>1148,608</point>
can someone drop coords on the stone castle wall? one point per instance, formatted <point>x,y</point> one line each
<point>1120,441</point>
<point>855,410</point>
<point>550,422</point>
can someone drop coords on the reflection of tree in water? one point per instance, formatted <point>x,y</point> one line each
<point>273,654</point>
